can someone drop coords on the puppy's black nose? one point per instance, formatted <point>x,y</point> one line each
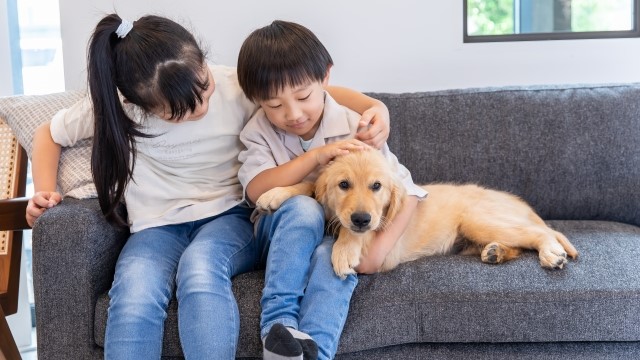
<point>360,219</point>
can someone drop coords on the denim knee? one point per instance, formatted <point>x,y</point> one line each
<point>305,207</point>
<point>321,262</point>
<point>323,251</point>
<point>304,211</point>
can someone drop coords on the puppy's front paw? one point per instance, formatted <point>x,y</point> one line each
<point>271,200</point>
<point>344,260</point>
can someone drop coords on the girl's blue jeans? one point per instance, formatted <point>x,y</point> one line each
<point>198,259</point>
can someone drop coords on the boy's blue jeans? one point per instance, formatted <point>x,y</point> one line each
<point>301,289</point>
<point>199,258</point>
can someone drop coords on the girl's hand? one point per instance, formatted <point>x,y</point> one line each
<point>41,201</point>
<point>374,126</point>
<point>326,153</point>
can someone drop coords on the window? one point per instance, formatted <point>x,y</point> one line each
<point>519,20</point>
<point>40,46</point>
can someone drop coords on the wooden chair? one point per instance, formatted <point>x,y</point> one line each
<point>13,177</point>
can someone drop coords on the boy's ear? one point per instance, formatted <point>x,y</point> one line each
<point>325,81</point>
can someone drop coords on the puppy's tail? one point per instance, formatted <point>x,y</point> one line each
<point>568,247</point>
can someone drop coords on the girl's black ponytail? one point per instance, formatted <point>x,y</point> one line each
<point>113,153</point>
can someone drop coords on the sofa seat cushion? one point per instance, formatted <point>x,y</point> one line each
<point>459,299</point>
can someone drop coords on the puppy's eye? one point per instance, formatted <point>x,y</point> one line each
<point>376,186</point>
<point>344,185</point>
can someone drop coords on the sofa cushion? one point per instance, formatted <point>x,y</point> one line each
<point>25,113</point>
<point>459,299</point>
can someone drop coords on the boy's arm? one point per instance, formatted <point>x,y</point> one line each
<point>295,170</point>
<point>385,240</point>
<point>44,160</point>
<point>374,123</point>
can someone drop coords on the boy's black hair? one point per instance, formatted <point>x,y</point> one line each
<point>278,55</point>
<point>157,65</point>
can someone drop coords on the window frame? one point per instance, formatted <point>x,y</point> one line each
<point>634,33</point>
<point>14,46</point>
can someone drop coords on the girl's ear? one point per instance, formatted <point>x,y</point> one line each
<point>325,81</point>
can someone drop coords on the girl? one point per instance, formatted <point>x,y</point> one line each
<point>165,129</point>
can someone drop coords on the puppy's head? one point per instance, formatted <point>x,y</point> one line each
<point>359,191</point>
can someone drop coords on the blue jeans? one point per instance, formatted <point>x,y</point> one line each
<point>198,260</point>
<point>301,289</point>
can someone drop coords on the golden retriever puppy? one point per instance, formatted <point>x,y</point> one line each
<point>361,195</point>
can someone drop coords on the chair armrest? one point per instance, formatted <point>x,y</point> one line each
<point>74,256</point>
<point>12,214</point>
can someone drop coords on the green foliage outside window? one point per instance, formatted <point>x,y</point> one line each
<point>601,15</point>
<point>493,17</point>
<point>496,17</point>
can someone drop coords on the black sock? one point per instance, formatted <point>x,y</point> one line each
<point>309,349</point>
<point>279,344</point>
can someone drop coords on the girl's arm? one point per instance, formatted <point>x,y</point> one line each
<point>374,123</point>
<point>295,170</point>
<point>386,239</point>
<point>44,161</point>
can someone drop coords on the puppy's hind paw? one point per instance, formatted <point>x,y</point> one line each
<point>492,254</point>
<point>551,260</point>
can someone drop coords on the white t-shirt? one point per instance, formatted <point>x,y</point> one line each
<point>269,146</point>
<point>189,170</point>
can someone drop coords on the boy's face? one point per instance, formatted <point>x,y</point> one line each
<point>297,110</point>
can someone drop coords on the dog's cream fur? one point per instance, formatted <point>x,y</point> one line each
<point>360,195</point>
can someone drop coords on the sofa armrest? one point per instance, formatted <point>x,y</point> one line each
<point>12,214</point>
<point>74,256</point>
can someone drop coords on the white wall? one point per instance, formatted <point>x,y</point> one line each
<point>377,45</point>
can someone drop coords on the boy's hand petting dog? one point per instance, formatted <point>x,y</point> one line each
<point>325,154</point>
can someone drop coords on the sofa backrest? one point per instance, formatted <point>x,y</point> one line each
<point>572,152</point>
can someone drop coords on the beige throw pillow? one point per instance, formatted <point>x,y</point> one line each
<point>24,113</point>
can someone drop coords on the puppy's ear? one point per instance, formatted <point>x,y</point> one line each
<point>396,200</point>
<point>320,192</point>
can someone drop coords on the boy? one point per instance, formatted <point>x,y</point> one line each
<point>283,68</point>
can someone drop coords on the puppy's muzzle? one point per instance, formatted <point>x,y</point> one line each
<point>360,221</point>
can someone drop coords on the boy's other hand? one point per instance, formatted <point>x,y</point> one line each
<point>373,128</point>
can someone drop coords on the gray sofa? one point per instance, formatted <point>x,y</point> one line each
<point>573,152</point>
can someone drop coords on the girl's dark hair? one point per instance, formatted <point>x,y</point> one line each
<point>278,55</point>
<point>158,66</point>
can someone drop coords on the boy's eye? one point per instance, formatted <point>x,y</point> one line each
<point>274,106</point>
<point>305,98</point>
